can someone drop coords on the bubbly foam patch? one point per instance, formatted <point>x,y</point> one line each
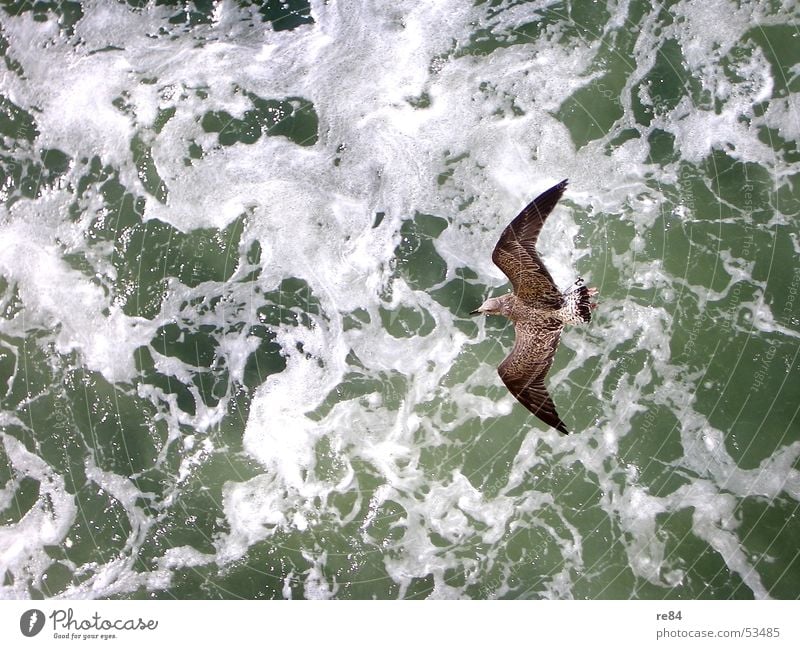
<point>24,560</point>
<point>64,300</point>
<point>386,424</point>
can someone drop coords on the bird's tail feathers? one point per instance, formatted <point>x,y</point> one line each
<point>579,301</point>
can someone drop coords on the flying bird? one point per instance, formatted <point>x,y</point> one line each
<point>537,308</point>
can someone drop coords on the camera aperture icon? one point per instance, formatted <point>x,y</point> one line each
<point>31,622</point>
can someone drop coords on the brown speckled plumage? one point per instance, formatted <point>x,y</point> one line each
<point>536,306</point>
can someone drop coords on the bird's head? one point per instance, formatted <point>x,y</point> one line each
<point>492,306</point>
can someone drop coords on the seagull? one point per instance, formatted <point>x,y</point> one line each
<point>537,308</point>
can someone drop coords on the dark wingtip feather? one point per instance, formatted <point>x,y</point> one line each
<point>585,304</point>
<point>561,428</point>
<point>547,200</point>
<point>557,188</point>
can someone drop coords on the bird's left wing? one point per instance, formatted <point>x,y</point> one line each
<point>524,369</point>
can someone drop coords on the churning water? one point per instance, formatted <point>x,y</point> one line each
<point>239,243</point>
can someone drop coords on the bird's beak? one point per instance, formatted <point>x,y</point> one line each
<point>475,312</point>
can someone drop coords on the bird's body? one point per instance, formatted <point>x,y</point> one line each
<point>537,308</point>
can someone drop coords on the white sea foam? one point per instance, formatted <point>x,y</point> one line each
<point>23,557</point>
<point>65,301</point>
<point>491,138</point>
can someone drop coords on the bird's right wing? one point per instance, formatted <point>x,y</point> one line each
<point>524,369</point>
<point>515,253</point>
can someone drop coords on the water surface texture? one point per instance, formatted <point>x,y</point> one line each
<point>239,243</point>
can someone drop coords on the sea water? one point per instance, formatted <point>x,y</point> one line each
<point>239,243</point>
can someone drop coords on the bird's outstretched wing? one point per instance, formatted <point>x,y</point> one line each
<point>524,369</point>
<point>515,253</point>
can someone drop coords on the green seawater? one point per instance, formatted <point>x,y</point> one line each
<point>682,478</point>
